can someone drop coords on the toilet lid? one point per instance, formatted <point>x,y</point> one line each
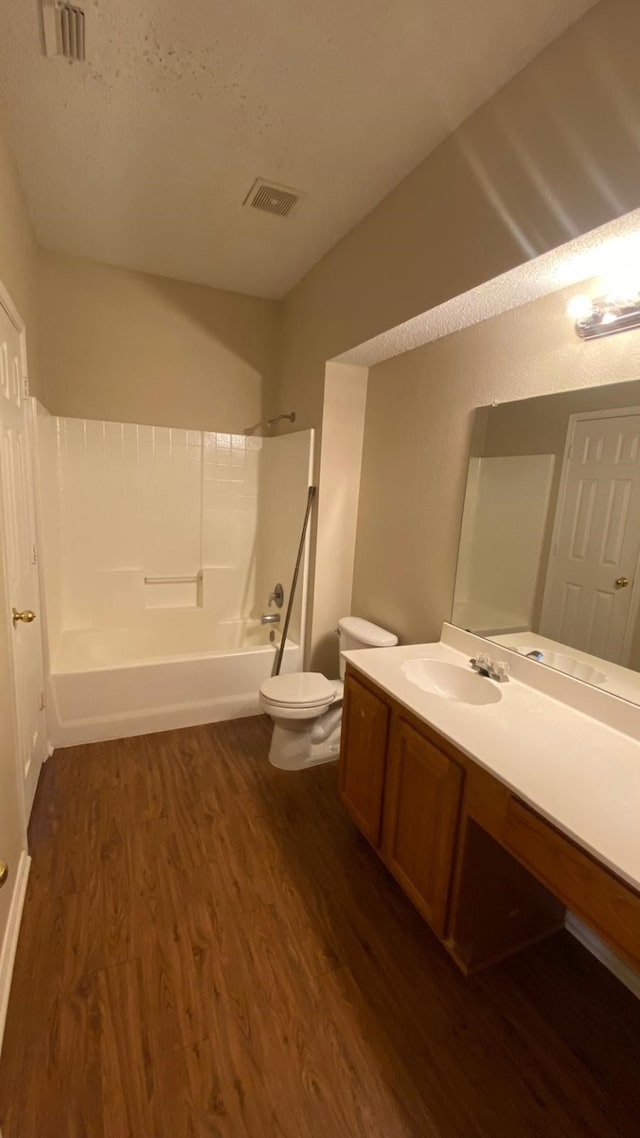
<point>302,689</point>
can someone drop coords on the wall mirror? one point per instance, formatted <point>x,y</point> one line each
<point>548,562</point>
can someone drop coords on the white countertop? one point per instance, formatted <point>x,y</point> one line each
<point>580,773</point>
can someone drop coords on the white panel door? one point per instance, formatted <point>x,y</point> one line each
<point>20,567</point>
<point>591,592</point>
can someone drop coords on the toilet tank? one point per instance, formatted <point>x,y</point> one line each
<point>357,633</point>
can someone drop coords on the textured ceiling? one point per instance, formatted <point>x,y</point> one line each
<point>142,156</point>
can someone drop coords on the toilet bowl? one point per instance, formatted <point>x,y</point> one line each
<point>306,707</point>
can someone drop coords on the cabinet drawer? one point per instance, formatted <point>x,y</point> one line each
<point>590,891</point>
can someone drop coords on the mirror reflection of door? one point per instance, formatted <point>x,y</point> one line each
<point>591,594</point>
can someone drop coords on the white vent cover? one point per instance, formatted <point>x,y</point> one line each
<point>64,30</point>
<point>270,198</point>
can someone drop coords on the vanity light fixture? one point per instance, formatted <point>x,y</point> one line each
<point>617,311</point>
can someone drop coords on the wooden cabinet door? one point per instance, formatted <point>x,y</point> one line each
<point>422,801</point>
<point>363,746</point>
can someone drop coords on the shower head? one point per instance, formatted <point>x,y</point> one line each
<point>278,418</point>
<point>270,423</point>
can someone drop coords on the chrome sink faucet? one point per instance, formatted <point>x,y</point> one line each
<point>493,669</point>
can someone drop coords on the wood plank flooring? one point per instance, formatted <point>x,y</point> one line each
<point>210,949</point>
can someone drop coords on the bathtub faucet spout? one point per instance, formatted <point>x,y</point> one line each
<point>270,618</point>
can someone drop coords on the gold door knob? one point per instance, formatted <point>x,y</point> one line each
<point>4,872</point>
<point>27,615</point>
<point>621,582</point>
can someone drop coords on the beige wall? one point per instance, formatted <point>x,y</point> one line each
<point>536,426</point>
<point>133,347</point>
<point>551,156</point>
<point>554,154</point>
<point>420,410</point>
<point>18,259</point>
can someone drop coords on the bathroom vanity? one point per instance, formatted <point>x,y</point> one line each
<point>496,812</point>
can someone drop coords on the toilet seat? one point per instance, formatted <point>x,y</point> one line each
<point>299,689</point>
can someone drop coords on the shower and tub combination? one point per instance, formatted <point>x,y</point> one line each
<point>160,552</point>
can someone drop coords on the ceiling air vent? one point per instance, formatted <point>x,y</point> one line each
<point>281,200</point>
<point>64,30</point>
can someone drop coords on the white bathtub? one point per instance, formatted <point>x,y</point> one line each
<point>108,683</point>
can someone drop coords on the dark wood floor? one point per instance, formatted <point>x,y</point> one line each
<point>209,948</point>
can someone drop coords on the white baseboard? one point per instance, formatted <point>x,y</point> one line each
<point>10,943</point>
<point>591,941</point>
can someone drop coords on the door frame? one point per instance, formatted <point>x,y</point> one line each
<point>12,312</point>
<point>634,603</point>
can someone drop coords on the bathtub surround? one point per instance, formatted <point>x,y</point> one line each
<point>137,348</point>
<point>141,512</point>
<point>160,549</point>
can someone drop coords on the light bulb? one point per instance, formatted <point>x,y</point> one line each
<point>579,307</point>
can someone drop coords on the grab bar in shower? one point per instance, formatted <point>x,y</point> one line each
<point>173,580</point>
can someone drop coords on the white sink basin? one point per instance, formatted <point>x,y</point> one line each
<point>450,681</point>
<point>569,665</point>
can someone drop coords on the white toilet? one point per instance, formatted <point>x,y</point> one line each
<point>306,708</point>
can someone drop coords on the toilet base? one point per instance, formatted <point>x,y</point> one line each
<point>293,749</point>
